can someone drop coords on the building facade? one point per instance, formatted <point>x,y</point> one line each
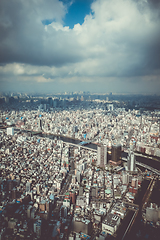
<point>102,156</point>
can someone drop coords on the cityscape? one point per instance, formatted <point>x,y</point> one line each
<point>79,166</point>
<point>80,120</point>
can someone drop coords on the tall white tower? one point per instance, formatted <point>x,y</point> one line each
<point>131,162</point>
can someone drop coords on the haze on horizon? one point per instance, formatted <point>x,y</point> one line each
<point>80,45</point>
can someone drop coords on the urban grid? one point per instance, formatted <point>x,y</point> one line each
<point>79,166</point>
<point>79,119</point>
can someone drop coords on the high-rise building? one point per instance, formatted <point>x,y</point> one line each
<point>116,153</point>
<point>102,155</point>
<point>28,187</point>
<point>38,188</point>
<point>73,197</point>
<point>134,183</point>
<point>78,175</point>
<point>80,191</point>
<point>131,162</point>
<point>125,178</point>
<point>94,192</point>
<point>63,211</point>
<point>47,206</point>
<point>37,228</point>
<point>40,124</point>
<point>50,101</point>
<point>72,164</point>
<point>29,211</point>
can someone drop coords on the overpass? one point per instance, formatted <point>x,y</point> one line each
<point>84,143</point>
<point>145,166</point>
<point>80,146</point>
<point>93,150</point>
<point>131,204</point>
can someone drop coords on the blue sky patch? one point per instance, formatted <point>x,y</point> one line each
<point>77,12</point>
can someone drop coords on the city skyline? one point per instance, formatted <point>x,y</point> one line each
<point>91,45</point>
<point>76,169</point>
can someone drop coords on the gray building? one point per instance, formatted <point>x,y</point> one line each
<point>102,156</point>
<point>111,223</point>
<point>81,225</point>
<point>152,214</point>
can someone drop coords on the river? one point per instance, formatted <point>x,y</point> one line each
<point>150,162</point>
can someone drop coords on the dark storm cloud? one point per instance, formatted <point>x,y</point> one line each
<point>151,46</point>
<point>154,3</point>
<point>153,56</point>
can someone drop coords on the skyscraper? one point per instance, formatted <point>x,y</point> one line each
<point>125,178</point>
<point>116,154</point>
<point>28,187</point>
<point>40,124</point>
<point>102,155</point>
<point>131,162</point>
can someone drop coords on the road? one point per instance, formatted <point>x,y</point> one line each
<point>145,166</point>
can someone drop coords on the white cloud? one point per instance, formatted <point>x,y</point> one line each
<point>114,42</point>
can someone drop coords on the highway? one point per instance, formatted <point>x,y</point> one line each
<point>129,225</point>
<point>91,147</point>
<point>148,192</point>
<point>145,166</point>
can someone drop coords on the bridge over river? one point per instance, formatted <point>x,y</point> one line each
<point>143,161</point>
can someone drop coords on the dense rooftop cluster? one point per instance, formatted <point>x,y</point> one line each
<point>49,181</point>
<point>54,189</point>
<point>141,130</point>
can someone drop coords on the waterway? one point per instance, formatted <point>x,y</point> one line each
<point>69,140</point>
<point>150,162</point>
<point>155,196</point>
<point>124,225</point>
<point>139,230</point>
<point>145,160</point>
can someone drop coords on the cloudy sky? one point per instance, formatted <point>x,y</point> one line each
<point>80,45</point>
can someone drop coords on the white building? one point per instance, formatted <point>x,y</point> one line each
<point>10,131</point>
<point>125,178</point>
<point>131,162</point>
<point>152,213</point>
<point>110,107</point>
<point>80,201</point>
